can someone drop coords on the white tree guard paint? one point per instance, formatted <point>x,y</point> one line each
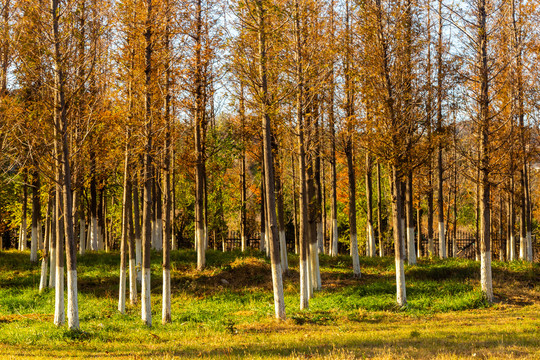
<point>485,275</point>
<point>304,285</point>
<point>529,247</point>
<point>122,292</point>
<point>52,275</point>
<point>243,242</point>
<point>93,234</point>
<point>355,258</point>
<point>23,235</point>
<point>132,282</point>
<point>442,241</point>
<point>283,251</point>
<point>313,255</point>
<point>82,236</point>
<point>334,251</point>
<point>59,313</point>
<point>138,256</point>
<point>41,242</point>
<point>34,244</point>
<point>146,306</point>
<point>44,274</point>
<point>401,294</point>
<point>267,243</point>
<point>166,297</point>
<point>522,247</point>
<point>320,237</point>
<point>512,249</point>
<point>159,234</point>
<point>101,245</point>
<point>411,251</point>
<point>371,240</point>
<point>279,298</point>
<point>201,258</point>
<point>309,280</point>
<point>72,301</point>
<point>317,271</point>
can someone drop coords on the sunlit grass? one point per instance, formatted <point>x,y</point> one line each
<point>227,310</point>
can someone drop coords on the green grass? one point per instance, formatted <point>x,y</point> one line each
<point>227,310</point>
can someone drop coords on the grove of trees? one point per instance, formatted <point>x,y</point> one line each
<point>306,126</point>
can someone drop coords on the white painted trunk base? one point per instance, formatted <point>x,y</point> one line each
<point>122,292</point>
<point>309,280</point>
<point>320,237</point>
<point>485,275</point>
<point>279,298</point>
<point>72,301</point>
<point>146,306</point>
<point>355,258</point>
<point>138,256</point>
<point>59,312</point>
<point>93,234</point>
<point>201,258</point>
<point>166,297</point>
<point>442,241</point>
<point>44,274</point>
<point>34,244</point>
<point>267,243</point>
<point>315,275</point>
<point>401,293</point>
<point>52,275</point>
<point>82,236</point>
<point>371,241</point>
<point>132,282</point>
<point>304,292</point>
<point>22,240</point>
<point>243,243</point>
<point>283,251</point>
<point>334,247</point>
<point>41,242</point>
<point>512,248</point>
<point>411,249</point>
<point>529,247</point>
<point>159,234</point>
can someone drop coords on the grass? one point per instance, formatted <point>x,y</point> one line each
<point>226,311</point>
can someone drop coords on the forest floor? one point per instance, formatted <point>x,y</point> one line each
<point>226,311</point>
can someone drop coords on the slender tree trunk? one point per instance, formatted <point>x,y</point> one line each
<point>349,150</point>
<point>199,146</point>
<point>303,214</point>
<point>36,217</point>
<point>22,233</point>
<point>379,211</point>
<point>370,241</point>
<point>125,230</point>
<point>280,207</point>
<point>52,234</point>
<point>411,249</point>
<point>146,313</point>
<point>166,296</point>
<point>243,209</point>
<point>45,257</point>
<point>295,208</point>
<point>397,207</point>
<point>440,169</point>
<point>485,185</point>
<point>279,302</point>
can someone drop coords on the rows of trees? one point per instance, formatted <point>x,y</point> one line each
<point>319,125</point>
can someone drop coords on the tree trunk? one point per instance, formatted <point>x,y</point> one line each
<point>440,169</point>
<point>279,301</point>
<point>199,146</point>
<point>166,295</point>
<point>36,217</point>
<point>370,241</point>
<point>380,229</point>
<point>45,258</point>
<point>411,249</point>
<point>146,313</point>
<point>397,207</point>
<point>303,214</point>
<point>485,206</point>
